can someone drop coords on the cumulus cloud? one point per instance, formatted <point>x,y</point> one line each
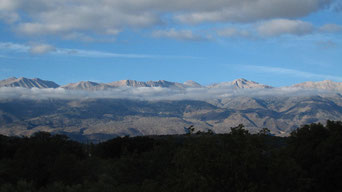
<point>152,93</point>
<point>178,34</point>
<point>42,48</point>
<point>37,17</point>
<point>251,10</point>
<point>60,17</point>
<point>278,27</point>
<point>9,4</point>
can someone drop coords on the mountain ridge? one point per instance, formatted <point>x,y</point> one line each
<point>326,85</point>
<point>27,83</point>
<point>239,84</point>
<point>134,117</point>
<point>95,86</point>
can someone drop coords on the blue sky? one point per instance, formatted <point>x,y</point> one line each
<point>278,42</point>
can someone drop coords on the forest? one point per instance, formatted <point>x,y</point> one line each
<point>310,159</point>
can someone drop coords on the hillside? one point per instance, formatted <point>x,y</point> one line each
<point>105,118</point>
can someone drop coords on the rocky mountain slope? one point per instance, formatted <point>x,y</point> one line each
<point>325,85</point>
<point>100,118</point>
<point>27,83</point>
<point>86,85</point>
<point>89,85</point>
<point>240,84</point>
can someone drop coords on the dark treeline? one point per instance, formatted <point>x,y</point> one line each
<point>308,160</point>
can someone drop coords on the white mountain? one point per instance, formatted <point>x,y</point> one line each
<point>93,86</point>
<point>86,85</point>
<point>192,84</point>
<point>129,83</point>
<point>239,84</point>
<point>163,83</point>
<point>325,85</point>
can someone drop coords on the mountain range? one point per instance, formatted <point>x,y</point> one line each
<point>93,86</point>
<point>102,118</point>
<point>89,85</point>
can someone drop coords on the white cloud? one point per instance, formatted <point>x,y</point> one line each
<point>331,28</point>
<point>278,27</point>
<point>152,93</point>
<point>8,46</point>
<point>61,17</point>
<point>42,48</point>
<point>9,5</point>
<point>37,17</point>
<point>92,53</point>
<point>251,10</point>
<point>178,34</point>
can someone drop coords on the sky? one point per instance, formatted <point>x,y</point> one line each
<point>278,42</point>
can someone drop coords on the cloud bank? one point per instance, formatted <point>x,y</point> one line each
<point>152,93</point>
<point>62,17</point>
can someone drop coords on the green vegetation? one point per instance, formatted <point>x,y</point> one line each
<point>308,160</point>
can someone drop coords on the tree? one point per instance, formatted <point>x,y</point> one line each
<point>239,130</point>
<point>264,131</point>
<point>190,130</point>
